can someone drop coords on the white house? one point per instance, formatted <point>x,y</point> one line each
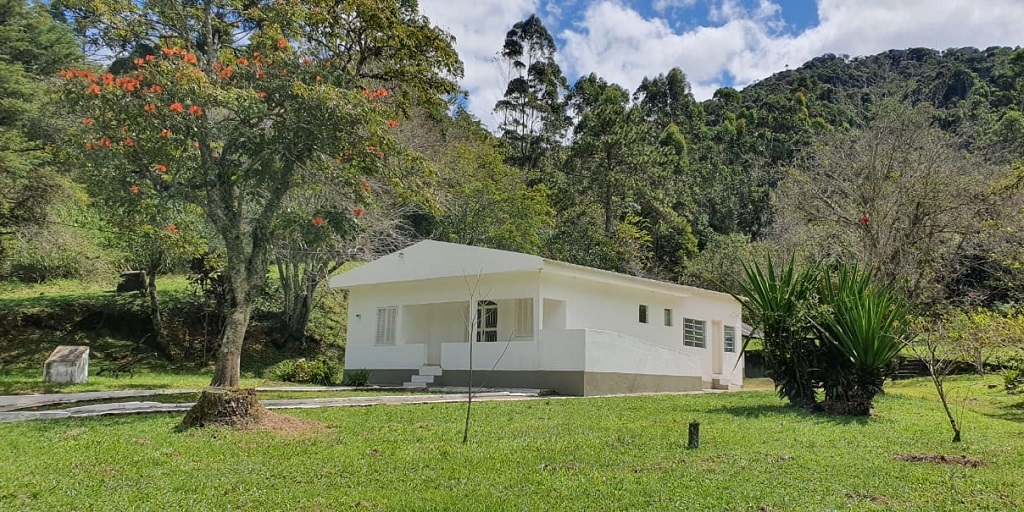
<point>535,323</point>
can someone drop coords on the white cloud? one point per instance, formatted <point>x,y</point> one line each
<point>664,5</point>
<point>479,27</point>
<point>612,39</point>
<point>616,42</point>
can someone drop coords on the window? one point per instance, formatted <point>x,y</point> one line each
<point>693,332</point>
<point>730,338</point>
<point>524,318</point>
<point>668,318</point>
<point>486,321</point>
<point>643,314</point>
<point>387,320</point>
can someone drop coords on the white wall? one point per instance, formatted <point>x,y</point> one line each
<point>394,357</point>
<point>444,293</point>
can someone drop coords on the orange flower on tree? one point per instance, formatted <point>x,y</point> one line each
<point>129,142</point>
<point>176,107</point>
<point>242,61</point>
<point>156,89</point>
<point>358,212</point>
<point>260,74</point>
<point>108,79</point>
<point>172,228</point>
<point>162,169</point>
<point>318,221</point>
<point>195,110</point>
<point>105,142</point>
<point>139,62</point>
<point>124,129</point>
<point>165,133</point>
<point>87,121</point>
<point>189,58</point>
<point>94,89</point>
<point>226,73</point>
<point>150,107</point>
<point>261,94</point>
<point>134,189</point>
<point>282,43</point>
<point>392,123</point>
<point>150,58</point>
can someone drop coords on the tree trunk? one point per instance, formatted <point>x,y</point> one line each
<point>228,408</point>
<point>155,315</point>
<point>226,373</point>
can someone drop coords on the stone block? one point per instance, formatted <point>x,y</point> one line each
<point>68,364</point>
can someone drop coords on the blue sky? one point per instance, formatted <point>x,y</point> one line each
<point>715,42</point>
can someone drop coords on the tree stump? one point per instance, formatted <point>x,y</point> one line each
<point>237,408</point>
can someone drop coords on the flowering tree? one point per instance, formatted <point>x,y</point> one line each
<point>234,107</point>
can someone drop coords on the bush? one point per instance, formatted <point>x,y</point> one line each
<point>1013,376</point>
<point>319,371</point>
<point>357,378</point>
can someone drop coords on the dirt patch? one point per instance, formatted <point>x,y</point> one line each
<point>285,425</point>
<point>239,409</point>
<point>936,458</point>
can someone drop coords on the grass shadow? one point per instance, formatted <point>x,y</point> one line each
<point>783,409</point>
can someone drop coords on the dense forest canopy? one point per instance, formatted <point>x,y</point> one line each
<point>636,178</point>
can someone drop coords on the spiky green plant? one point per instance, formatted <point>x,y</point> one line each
<point>864,328</point>
<point>778,302</point>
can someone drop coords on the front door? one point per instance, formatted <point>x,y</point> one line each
<point>717,347</point>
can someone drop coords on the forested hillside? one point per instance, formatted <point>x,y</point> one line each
<point>909,162</point>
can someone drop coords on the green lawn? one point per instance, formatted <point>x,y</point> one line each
<point>625,453</point>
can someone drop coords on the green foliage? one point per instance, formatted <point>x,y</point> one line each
<point>234,110</point>
<point>865,326</point>
<point>780,302</point>
<point>320,371</point>
<point>358,378</point>
<point>33,46</point>
<point>533,111</point>
<point>1013,377</point>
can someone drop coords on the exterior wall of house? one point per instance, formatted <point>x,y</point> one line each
<point>445,297</point>
<point>586,336</point>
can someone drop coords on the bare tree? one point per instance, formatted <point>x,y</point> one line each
<point>939,353</point>
<point>899,195</point>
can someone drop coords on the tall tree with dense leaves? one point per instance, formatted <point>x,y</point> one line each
<point>607,196</point>
<point>33,47</point>
<point>532,109</point>
<point>235,106</point>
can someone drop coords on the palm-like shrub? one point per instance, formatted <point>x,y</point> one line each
<point>863,328</point>
<point>780,302</point>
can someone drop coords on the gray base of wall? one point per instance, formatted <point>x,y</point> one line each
<point>564,382</point>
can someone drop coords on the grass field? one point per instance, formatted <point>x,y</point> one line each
<point>624,453</point>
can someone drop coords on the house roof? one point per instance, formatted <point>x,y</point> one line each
<point>431,259</point>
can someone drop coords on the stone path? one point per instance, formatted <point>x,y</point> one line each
<point>10,415</point>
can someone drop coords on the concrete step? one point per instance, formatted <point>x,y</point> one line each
<point>414,385</point>
<point>430,370</point>
<point>423,379</point>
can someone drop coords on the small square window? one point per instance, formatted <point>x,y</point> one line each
<point>693,332</point>
<point>668,318</point>
<point>643,313</point>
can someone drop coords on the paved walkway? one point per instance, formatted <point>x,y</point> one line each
<point>9,414</point>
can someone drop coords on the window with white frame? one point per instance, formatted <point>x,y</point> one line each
<point>643,313</point>
<point>486,320</point>
<point>387,325</point>
<point>694,333</point>
<point>668,317</point>
<point>730,338</point>
<point>524,318</point>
